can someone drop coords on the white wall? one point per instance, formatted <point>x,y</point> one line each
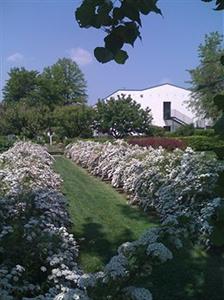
<point>154,98</point>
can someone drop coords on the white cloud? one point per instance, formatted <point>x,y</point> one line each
<point>80,56</point>
<point>15,57</point>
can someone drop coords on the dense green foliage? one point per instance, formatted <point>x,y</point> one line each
<point>36,103</point>
<point>203,143</point>
<point>24,120</point>
<point>219,126</point>
<point>29,121</point>
<point>157,130</point>
<point>62,83</point>
<point>121,21</point>
<point>122,117</point>
<point>207,78</point>
<point>20,85</point>
<point>185,130</point>
<point>101,217</point>
<point>209,132</point>
<point>73,121</point>
<point>205,132</point>
<point>189,130</point>
<point>6,143</point>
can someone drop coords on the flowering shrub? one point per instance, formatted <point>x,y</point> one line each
<point>156,142</point>
<point>37,254</point>
<point>179,185</point>
<point>26,166</point>
<point>172,183</point>
<point>135,260</point>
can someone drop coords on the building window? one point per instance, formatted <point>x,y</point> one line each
<point>166,110</point>
<point>167,128</point>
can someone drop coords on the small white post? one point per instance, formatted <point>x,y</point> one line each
<point>50,137</point>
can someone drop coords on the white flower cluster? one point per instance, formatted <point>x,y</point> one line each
<point>26,166</point>
<point>172,183</point>
<point>37,254</point>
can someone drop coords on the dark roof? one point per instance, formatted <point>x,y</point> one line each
<point>152,87</point>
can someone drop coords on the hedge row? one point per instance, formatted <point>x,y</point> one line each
<point>197,143</point>
<point>156,142</point>
<point>205,143</point>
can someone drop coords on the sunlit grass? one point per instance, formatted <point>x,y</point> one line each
<point>102,219</point>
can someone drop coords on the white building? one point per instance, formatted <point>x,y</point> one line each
<point>167,103</point>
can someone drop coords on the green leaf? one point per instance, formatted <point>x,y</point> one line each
<point>121,57</point>
<point>113,42</point>
<point>128,32</point>
<point>104,20</point>
<point>147,6</point>
<point>85,14</point>
<point>103,55</point>
<point>130,10</point>
<point>105,6</point>
<point>131,33</point>
<point>103,13</point>
<point>118,14</point>
<point>219,5</point>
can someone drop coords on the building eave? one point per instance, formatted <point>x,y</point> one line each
<point>149,88</point>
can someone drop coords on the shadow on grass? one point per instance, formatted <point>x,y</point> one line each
<point>213,288</point>
<point>134,213</point>
<point>191,275</point>
<point>94,242</point>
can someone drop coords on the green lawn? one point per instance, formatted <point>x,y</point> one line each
<point>102,219</point>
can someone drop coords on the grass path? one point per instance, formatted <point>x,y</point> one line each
<point>101,216</point>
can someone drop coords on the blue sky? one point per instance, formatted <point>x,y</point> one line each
<point>35,33</point>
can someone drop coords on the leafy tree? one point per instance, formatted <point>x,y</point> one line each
<point>219,102</point>
<point>62,83</point>
<point>121,21</point>
<point>208,78</point>
<point>59,84</point>
<point>122,117</point>
<point>21,84</point>
<point>24,120</point>
<point>73,121</point>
